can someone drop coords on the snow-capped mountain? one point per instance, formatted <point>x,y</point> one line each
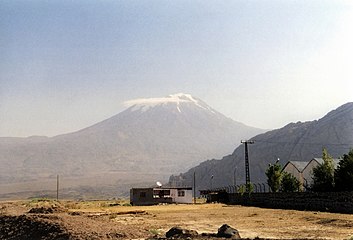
<point>175,100</point>
<point>157,136</point>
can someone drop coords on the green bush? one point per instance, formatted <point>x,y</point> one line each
<point>289,183</point>
<point>323,174</point>
<point>274,176</point>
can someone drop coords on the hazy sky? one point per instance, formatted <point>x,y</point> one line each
<point>65,65</point>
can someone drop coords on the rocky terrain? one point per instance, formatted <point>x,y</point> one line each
<point>299,141</point>
<point>47,219</point>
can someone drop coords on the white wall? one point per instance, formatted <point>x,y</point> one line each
<point>294,171</point>
<point>308,171</point>
<point>186,199</point>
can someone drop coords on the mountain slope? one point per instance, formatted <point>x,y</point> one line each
<point>153,136</point>
<point>295,141</point>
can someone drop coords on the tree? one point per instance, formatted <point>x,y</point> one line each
<point>289,183</point>
<point>249,187</point>
<point>323,174</point>
<point>344,173</point>
<point>242,189</point>
<point>274,176</point>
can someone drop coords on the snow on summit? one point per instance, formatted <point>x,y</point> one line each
<point>144,104</point>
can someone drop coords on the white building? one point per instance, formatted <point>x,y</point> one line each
<point>307,172</point>
<point>303,171</point>
<point>296,169</point>
<point>151,196</point>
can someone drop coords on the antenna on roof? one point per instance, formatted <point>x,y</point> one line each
<point>159,184</point>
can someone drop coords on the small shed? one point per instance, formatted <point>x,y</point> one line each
<point>152,196</point>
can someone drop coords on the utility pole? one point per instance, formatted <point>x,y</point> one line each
<point>57,187</point>
<point>194,188</point>
<point>247,169</point>
<point>211,181</point>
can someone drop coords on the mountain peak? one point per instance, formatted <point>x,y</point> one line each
<point>144,104</point>
<point>346,110</point>
<point>183,96</point>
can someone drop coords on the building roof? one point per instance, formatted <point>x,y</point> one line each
<point>300,166</point>
<point>163,188</point>
<point>179,188</point>
<point>321,161</point>
<point>297,164</point>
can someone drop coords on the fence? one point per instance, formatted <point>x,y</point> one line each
<point>340,202</point>
<point>257,188</point>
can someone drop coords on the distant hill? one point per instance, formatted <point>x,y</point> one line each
<point>299,141</point>
<point>151,139</point>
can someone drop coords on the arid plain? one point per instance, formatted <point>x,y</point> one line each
<point>113,220</point>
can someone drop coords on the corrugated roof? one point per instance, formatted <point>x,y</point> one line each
<point>302,165</point>
<point>321,161</point>
<point>299,165</point>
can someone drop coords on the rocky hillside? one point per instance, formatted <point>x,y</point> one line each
<point>299,141</point>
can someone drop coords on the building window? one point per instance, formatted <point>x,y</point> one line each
<point>161,193</point>
<point>181,193</point>
<point>142,194</point>
<point>157,194</point>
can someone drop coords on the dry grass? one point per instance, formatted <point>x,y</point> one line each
<point>250,221</point>
<point>145,221</point>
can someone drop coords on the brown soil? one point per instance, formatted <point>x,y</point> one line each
<point>101,220</point>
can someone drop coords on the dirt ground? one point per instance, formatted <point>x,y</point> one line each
<point>110,220</point>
